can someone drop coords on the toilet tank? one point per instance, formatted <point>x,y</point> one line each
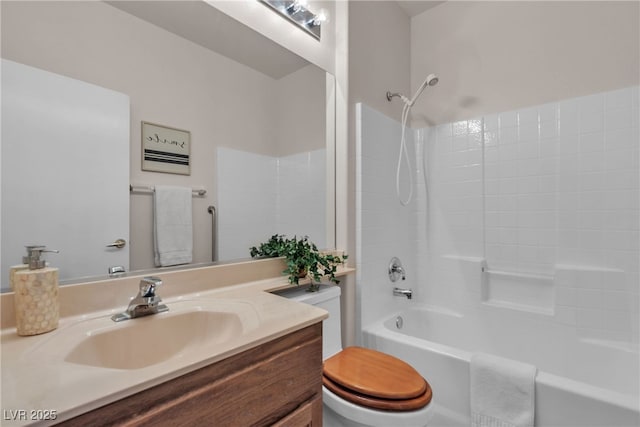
<point>328,298</point>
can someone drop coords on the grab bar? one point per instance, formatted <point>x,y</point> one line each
<point>212,210</point>
<point>521,275</point>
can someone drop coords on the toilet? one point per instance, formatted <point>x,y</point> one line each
<point>363,387</point>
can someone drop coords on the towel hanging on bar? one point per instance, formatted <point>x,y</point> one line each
<point>172,226</point>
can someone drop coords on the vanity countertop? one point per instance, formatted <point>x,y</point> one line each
<point>38,383</point>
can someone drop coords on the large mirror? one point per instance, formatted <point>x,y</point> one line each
<point>260,120</point>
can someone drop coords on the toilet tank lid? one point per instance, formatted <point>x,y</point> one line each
<point>300,294</point>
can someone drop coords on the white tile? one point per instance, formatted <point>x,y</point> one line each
<point>507,135</point>
<point>459,128</point>
<point>592,220</point>
<point>474,126</point>
<point>592,103</point>
<point>548,129</point>
<point>569,144</point>
<point>528,131</point>
<point>617,139</point>
<point>619,159</point>
<point>590,279</point>
<point>491,138</point>
<point>591,162</point>
<point>590,142</point>
<point>528,167</point>
<point>548,112</point>
<point>568,238</point>
<point>635,97</point>
<point>459,143</point>
<point>568,183</point>
<point>588,298</point>
<point>592,181</point>
<point>619,179</point>
<point>444,131</point>
<point>618,119</point>
<point>547,183</point>
<point>621,98</point>
<point>616,300</point>
<point>528,115</point>
<point>565,315</point>
<point>569,117</point>
<point>549,147</point>
<point>617,320</point>
<point>508,119</point>
<point>491,122</point>
<point>527,184</point>
<point>589,318</point>
<point>475,140</point>
<point>591,121</point>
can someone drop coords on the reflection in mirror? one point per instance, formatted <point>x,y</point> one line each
<point>257,115</point>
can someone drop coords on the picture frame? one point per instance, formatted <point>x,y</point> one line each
<point>165,149</point>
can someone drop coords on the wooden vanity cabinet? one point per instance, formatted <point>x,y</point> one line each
<point>278,383</point>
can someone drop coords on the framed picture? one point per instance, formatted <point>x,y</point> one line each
<point>165,149</point>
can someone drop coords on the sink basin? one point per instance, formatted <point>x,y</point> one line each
<point>188,328</point>
<point>146,341</point>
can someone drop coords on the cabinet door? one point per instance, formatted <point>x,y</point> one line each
<point>308,415</point>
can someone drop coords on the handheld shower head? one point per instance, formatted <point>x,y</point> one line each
<point>431,80</point>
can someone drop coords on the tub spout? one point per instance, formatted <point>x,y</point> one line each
<point>403,292</point>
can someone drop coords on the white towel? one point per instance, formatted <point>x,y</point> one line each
<point>502,392</point>
<point>172,225</point>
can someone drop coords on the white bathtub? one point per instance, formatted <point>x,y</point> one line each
<point>579,382</point>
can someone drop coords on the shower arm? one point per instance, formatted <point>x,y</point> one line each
<point>391,95</point>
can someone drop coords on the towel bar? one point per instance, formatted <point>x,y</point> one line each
<point>150,189</point>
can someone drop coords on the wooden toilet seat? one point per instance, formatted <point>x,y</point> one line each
<point>375,380</point>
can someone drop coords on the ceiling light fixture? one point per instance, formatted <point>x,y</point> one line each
<point>297,12</point>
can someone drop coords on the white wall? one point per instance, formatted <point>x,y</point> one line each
<point>499,56</point>
<point>297,129</point>
<point>379,54</point>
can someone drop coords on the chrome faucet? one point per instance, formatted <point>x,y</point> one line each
<point>403,292</point>
<point>396,270</point>
<point>145,303</point>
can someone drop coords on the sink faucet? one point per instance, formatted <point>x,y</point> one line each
<point>400,292</point>
<point>145,303</point>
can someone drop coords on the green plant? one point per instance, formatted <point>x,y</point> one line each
<point>303,259</point>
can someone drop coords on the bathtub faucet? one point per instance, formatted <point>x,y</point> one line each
<point>396,270</point>
<point>403,292</point>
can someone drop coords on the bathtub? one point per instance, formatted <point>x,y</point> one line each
<point>579,382</point>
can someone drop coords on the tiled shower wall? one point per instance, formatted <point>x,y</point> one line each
<point>384,228</point>
<point>259,196</point>
<point>548,197</point>
<point>544,198</point>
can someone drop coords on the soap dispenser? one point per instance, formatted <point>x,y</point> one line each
<point>35,294</point>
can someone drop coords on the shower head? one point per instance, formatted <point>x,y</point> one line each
<point>431,80</point>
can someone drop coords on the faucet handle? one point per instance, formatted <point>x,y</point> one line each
<point>148,286</point>
<point>396,270</point>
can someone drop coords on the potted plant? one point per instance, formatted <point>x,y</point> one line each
<point>303,259</point>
